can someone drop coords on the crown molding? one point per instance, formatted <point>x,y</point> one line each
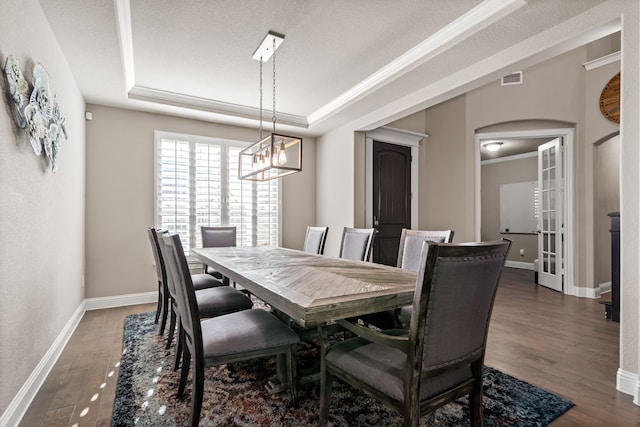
<point>471,22</point>
<point>602,61</point>
<point>123,20</point>
<point>481,16</point>
<point>210,105</point>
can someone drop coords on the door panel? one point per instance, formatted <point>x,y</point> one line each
<point>550,179</point>
<point>391,199</point>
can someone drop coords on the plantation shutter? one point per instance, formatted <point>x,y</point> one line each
<point>198,185</point>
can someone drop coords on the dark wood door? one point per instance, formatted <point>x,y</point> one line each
<point>391,199</point>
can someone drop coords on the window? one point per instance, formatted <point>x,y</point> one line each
<point>197,185</point>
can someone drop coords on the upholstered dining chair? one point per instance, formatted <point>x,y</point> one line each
<point>409,253</point>
<point>200,281</point>
<point>211,302</point>
<point>230,338</point>
<point>440,358</point>
<point>217,237</point>
<point>357,243</point>
<point>314,240</point>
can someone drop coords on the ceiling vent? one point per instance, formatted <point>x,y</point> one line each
<point>512,79</point>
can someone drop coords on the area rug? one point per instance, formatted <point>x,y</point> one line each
<point>235,395</point>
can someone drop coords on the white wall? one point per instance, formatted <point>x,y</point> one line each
<point>335,185</point>
<point>628,374</point>
<point>41,214</point>
<point>120,195</point>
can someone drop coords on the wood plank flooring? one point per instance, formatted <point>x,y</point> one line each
<point>557,342</point>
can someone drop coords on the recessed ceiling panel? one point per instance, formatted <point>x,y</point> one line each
<point>204,48</point>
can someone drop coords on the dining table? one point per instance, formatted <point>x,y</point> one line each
<point>308,289</point>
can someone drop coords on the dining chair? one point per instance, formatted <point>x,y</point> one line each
<point>357,243</point>
<point>409,252</point>
<point>212,301</point>
<point>234,337</point>
<point>200,281</point>
<point>314,240</point>
<point>440,358</point>
<point>162,307</point>
<point>216,237</point>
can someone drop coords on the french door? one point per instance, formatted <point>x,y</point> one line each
<point>550,215</point>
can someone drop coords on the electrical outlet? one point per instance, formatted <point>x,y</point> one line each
<point>521,252</point>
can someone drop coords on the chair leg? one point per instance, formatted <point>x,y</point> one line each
<point>475,408</point>
<point>184,374</point>
<point>165,312</point>
<point>179,348</point>
<point>475,397</point>
<point>198,391</point>
<point>172,329</point>
<point>159,305</point>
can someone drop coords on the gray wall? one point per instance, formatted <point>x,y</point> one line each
<point>606,177</point>
<point>507,172</point>
<point>120,195</point>
<point>41,214</point>
<point>444,172</point>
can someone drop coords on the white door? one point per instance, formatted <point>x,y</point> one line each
<point>550,214</point>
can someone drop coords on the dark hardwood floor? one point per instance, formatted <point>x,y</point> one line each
<point>557,342</point>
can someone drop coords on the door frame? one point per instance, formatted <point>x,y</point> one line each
<point>550,279</point>
<point>395,136</point>
<point>567,134</point>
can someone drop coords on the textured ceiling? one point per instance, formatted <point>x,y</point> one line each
<point>195,54</point>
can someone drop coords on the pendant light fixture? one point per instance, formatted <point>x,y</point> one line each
<point>275,155</point>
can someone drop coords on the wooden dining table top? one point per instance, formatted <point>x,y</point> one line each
<point>312,289</point>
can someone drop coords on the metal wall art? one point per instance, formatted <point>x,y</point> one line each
<point>36,110</point>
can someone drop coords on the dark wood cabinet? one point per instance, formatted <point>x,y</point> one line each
<point>615,266</point>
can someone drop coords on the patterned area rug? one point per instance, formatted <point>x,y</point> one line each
<point>235,394</point>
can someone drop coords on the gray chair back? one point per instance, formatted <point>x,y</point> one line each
<point>314,240</point>
<point>185,294</point>
<point>215,237</point>
<point>357,243</point>
<point>153,239</point>
<point>411,245</point>
<point>164,255</point>
<point>455,299</point>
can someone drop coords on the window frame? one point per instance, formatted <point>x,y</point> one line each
<point>200,139</point>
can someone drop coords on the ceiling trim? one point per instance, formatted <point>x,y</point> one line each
<point>123,20</point>
<point>602,61</point>
<point>481,16</point>
<point>476,19</point>
<point>205,104</point>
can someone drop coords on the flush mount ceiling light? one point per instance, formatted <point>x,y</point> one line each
<point>275,155</point>
<point>493,145</point>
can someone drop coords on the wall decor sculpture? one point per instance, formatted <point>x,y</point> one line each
<point>36,110</point>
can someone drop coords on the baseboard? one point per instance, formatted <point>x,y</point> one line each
<point>593,293</point>
<point>628,383</point>
<point>519,264</point>
<point>20,403</point>
<point>120,300</point>
<point>604,287</point>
